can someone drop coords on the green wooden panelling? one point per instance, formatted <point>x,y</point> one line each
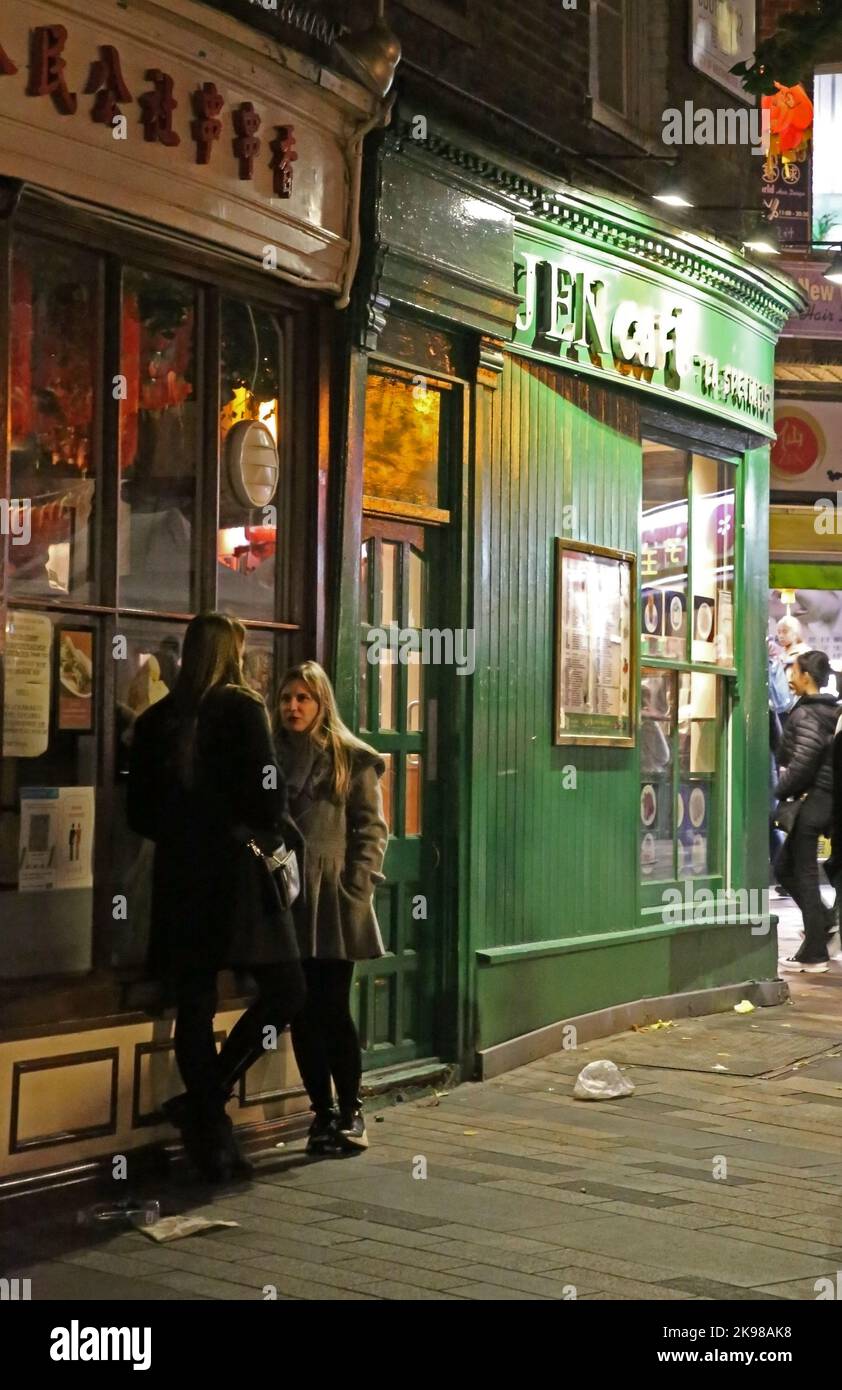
<point>550,864</point>
<point>556,862</point>
<point>518,998</point>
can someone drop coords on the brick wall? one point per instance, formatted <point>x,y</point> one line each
<point>770,12</point>
<point>515,75</point>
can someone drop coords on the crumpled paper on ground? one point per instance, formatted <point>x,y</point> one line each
<point>177,1227</point>
<point>601,1080</point>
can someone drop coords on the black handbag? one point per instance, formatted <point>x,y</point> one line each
<point>787,814</point>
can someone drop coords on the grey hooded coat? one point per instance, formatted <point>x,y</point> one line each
<point>344,847</point>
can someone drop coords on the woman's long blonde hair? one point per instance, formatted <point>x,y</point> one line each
<point>329,733</point>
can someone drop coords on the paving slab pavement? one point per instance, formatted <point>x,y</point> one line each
<point>512,1189</point>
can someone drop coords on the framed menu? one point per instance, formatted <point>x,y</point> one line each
<point>75,679</point>
<point>595,628</point>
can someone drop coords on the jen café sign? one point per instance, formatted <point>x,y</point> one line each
<point>618,324</point>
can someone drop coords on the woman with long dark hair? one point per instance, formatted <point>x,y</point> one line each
<point>205,786</point>
<point>335,798</point>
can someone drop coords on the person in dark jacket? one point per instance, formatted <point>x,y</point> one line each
<point>805,758</point>
<point>203,783</point>
<point>334,789</point>
<point>833,867</point>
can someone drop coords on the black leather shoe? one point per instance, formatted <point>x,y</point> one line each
<point>351,1134</point>
<point>322,1134</point>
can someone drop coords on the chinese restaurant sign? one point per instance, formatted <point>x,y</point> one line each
<point>190,122</point>
<point>631,325</point>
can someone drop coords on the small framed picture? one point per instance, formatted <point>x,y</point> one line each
<point>75,676</point>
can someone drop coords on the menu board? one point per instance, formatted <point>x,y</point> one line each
<point>27,685</point>
<point>594,597</point>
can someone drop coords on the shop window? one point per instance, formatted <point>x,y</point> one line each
<point>687,557</point>
<point>406,423</point>
<point>145,673</point>
<point>159,423</point>
<point>251,510</point>
<point>48,779</point>
<point>663,552</point>
<point>688,534</point>
<point>55,312</point>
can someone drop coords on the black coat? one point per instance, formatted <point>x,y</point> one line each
<point>214,904</point>
<point>806,749</point>
<point>833,866</point>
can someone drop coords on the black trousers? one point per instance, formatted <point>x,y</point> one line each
<point>208,1076</point>
<point>798,873</point>
<point>324,1038</point>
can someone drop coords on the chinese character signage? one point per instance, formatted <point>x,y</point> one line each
<point>180,127</point>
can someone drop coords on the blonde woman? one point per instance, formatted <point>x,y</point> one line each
<point>333,781</point>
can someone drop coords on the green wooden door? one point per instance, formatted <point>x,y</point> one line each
<point>398,707</point>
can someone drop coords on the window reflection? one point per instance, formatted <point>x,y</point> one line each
<point>247,550</point>
<point>158,437</point>
<point>54,313</point>
<point>403,438</point>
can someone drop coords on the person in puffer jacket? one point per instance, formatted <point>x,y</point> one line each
<point>805,758</point>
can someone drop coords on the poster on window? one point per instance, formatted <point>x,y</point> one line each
<point>27,685</point>
<point>56,838</point>
<point>75,679</point>
<point>593,651</point>
<point>693,815</point>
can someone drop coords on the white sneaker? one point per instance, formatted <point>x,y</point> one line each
<point>796,967</point>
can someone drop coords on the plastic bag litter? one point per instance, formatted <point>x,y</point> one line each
<point>745,1006</point>
<point>601,1081</point>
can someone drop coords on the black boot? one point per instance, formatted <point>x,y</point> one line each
<point>206,1132</point>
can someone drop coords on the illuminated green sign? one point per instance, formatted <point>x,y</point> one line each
<point>593,311</point>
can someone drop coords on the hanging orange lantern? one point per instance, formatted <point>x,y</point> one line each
<point>790,124</point>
